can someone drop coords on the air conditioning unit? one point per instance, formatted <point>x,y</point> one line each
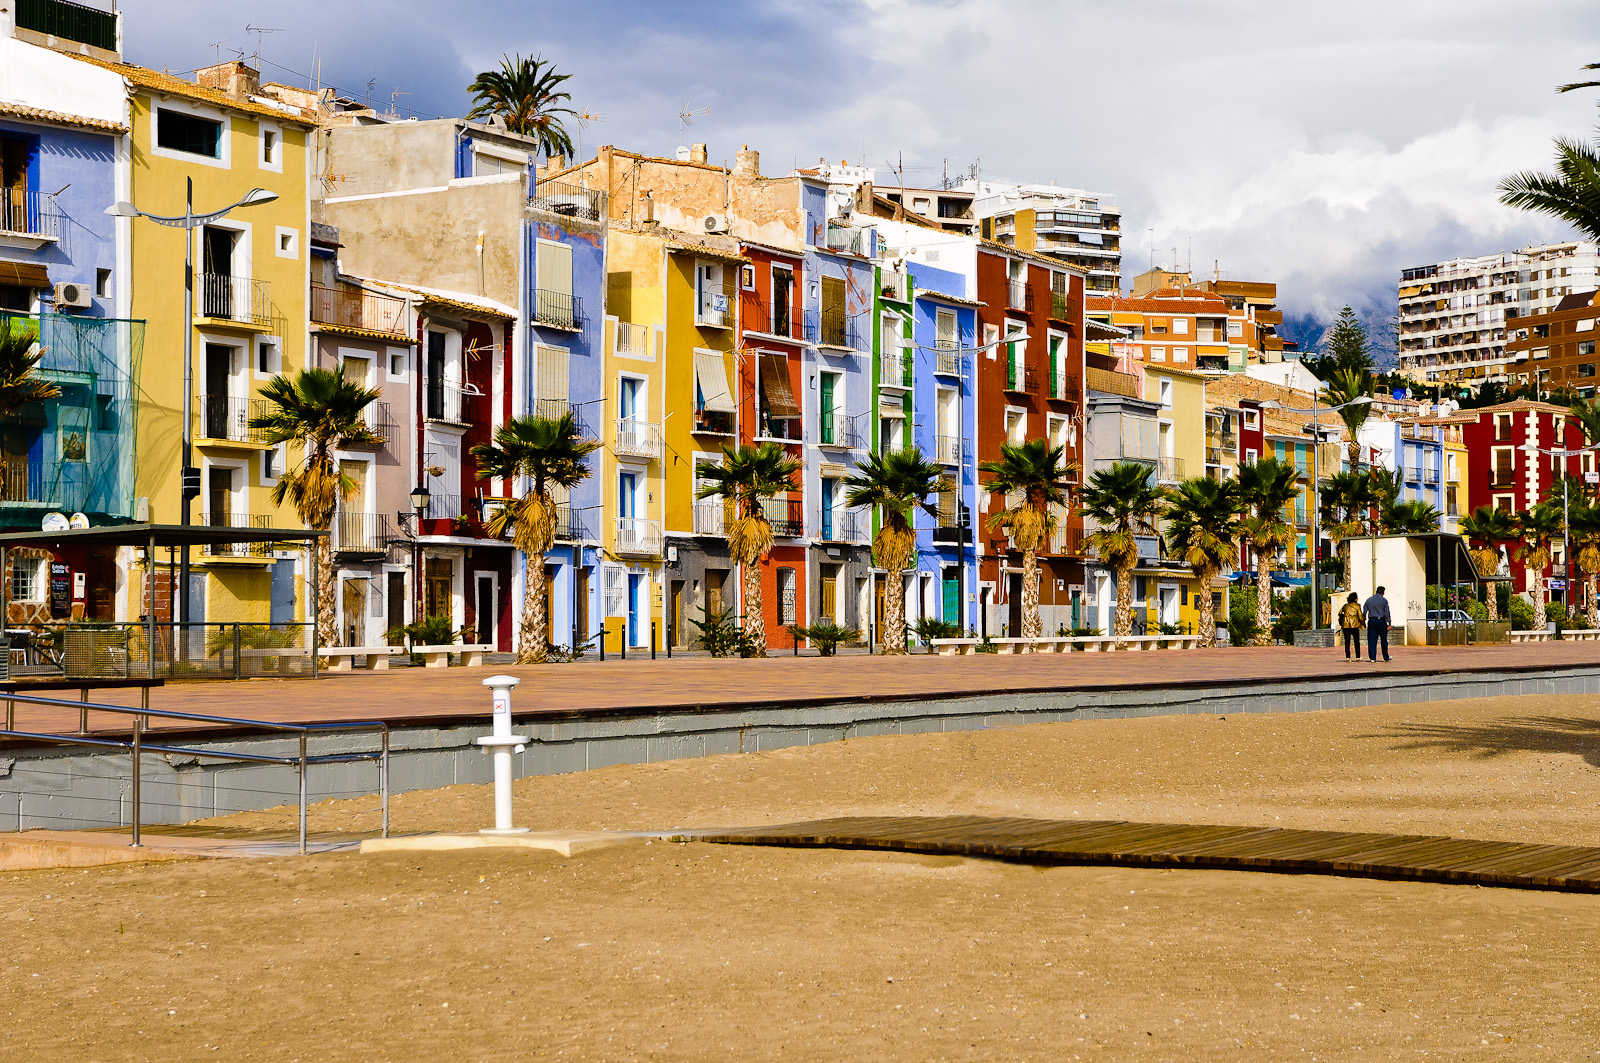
<point>714,223</point>
<point>73,296</point>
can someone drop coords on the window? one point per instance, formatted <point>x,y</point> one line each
<point>1249,456</point>
<point>1586,347</point>
<point>26,586</point>
<point>1180,354</point>
<point>552,394</point>
<point>946,330</point>
<point>177,131</point>
<point>1158,354</point>
<point>102,283</point>
<point>397,364</point>
<point>1016,425</point>
<point>1235,328</point>
<point>1180,326</point>
<point>1166,392</point>
<point>920,205</point>
<point>288,243</point>
<point>1158,329</point>
<point>747,278</point>
<point>786,596</point>
<point>272,464</point>
<point>1252,419</point>
<point>269,359</point>
<point>782,301</point>
<point>269,146</point>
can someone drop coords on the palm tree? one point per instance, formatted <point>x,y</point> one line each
<point>899,484</point>
<point>1572,193</point>
<point>1535,528</point>
<point>1486,528</point>
<point>1583,525</point>
<point>747,477</point>
<point>19,365</point>
<point>527,94</point>
<point>1347,500</point>
<point>549,452</point>
<point>319,411</point>
<point>1344,389</point>
<point>1035,478</point>
<point>1587,417</point>
<point>1266,489</point>
<point>1409,518</point>
<point>1203,522</point>
<point>1582,84</point>
<point>1124,503</point>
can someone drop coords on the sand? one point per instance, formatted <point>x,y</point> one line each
<point>698,952</point>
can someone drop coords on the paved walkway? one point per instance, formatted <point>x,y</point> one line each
<point>1570,868</point>
<point>418,696</point>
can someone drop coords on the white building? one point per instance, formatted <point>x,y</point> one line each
<point>1082,229</point>
<point>1453,315</point>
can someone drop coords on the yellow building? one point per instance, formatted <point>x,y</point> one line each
<point>1181,455</point>
<point>250,285</point>
<point>670,340</point>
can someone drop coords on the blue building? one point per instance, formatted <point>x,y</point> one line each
<point>944,330</point>
<point>1415,452</point>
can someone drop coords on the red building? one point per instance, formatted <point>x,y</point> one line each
<point>1031,389</point>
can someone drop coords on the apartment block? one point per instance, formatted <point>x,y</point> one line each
<point>1080,229</point>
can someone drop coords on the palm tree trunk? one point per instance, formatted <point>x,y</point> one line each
<point>532,645</point>
<point>1122,626</point>
<point>1263,599</point>
<point>327,607</point>
<point>1594,605</point>
<point>1493,602</point>
<point>1536,591</point>
<point>1208,609</point>
<point>755,625</point>
<point>1032,627</point>
<point>894,613</point>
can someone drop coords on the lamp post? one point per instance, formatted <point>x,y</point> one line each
<point>1316,493</point>
<point>420,497</point>
<point>188,221</point>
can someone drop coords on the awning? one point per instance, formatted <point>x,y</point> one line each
<point>711,377</point>
<point>24,274</point>
<point>775,385</point>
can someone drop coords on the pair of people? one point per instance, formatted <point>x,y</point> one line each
<point>1374,616</point>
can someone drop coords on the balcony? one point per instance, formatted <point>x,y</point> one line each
<point>1064,386</point>
<point>838,430</point>
<point>361,534</point>
<point>785,515</point>
<point>895,284</point>
<point>1022,379</point>
<point>1215,455</point>
<point>554,309</point>
<point>774,319</point>
<point>1068,541</point>
<point>568,200</point>
<point>1019,296</point>
<point>254,522</point>
<point>242,300</point>
<point>28,219</point>
<point>380,422</point>
<point>894,370</point>
<point>949,450</point>
<point>713,422</point>
<point>22,483</point>
<point>637,439</point>
<point>842,526</point>
<point>782,429</point>
<point>849,240</point>
<point>228,419</point>
<point>716,301</point>
<point>1060,308</point>
<point>711,517</point>
<point>73,22</point>
<point>362,311</point>
<point>1111,382</point>
<point>448,402</point>
<point>638,538</point>
<point>947,360</point>
<point>831,328</point>
<point>633,341</point>
<point>1430,475</point>
<point>1171,470</point>
<point>443,507</point>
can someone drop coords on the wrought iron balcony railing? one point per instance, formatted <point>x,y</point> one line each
<point>354,308</point>
<point>894,369</point>
<point>28,213</point>
<point>364,534</point>
<point>1023,379</point>
<point>1063,385</point>
<point>638,537</point>
<point>1020,296</point>
<point>711,517</point>
<point>786,517</point>
<point>22,482</point>
<point>1060,308</point>
<point>222,417</point>
<point>949,450</point>
<point>713,422</point>
<point>442,506</point>
<point>447,402</point>
<point>226,298</point>
<point>947,361</point>
<point>838,430</point>
<point>842,526</point>
<point>568,200</point>
<point>832,327</point>
<point>252,521</point>
<point>637,439</point>
<point>555,309</point>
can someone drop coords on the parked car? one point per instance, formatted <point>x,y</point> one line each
<point>1441,618</point>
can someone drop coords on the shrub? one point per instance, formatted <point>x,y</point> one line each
<point>1242,617</point>
<point>429,631</point>
<point>825,635</point>
<point>1294,614</point>
<point>929,628</point>
<point>1521,614</point>
<point>720,636</point>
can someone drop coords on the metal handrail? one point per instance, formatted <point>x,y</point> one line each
<point>137,746</point>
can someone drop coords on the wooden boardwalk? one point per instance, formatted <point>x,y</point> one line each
<point>1421,858</point>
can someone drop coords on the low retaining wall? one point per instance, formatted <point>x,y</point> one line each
<point>59,787</point>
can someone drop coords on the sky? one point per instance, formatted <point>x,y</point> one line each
<point>1321,146</point>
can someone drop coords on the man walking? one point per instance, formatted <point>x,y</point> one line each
<point>1376,609</point>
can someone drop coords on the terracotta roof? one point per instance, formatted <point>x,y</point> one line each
<point>1031,256</point>
<point>1174,301</point>
<point>17,110</point>
<point>472,304</point>
<point>1235,388</point>
<point>157,81</point>
<point>1522,404</point>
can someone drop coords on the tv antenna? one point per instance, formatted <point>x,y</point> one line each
<point>584,120</point>
<point>393,98</point>
<point>218,46</point>
<point>686,117</point>
<point>259,31</point>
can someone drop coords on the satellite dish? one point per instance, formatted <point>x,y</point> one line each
<point>78,520</point>
<point>54,522</point>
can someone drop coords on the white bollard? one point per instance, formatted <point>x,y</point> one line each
<point>501,742</point>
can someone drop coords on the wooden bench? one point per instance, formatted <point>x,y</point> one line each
<point>1089,643</point>
<point>439,656</point>
<point>343,658</point>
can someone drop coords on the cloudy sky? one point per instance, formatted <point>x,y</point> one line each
<point>1324,146</point>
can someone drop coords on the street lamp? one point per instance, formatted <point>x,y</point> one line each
<point>188,221</point>
<point>1566,533</point>
<point>1316,493</point>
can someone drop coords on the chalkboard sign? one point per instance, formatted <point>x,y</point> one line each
<point>60,590</point>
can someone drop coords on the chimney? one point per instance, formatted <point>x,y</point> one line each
<point>864,197</point>
<point>233,77</point>
<point>698,153</point>
<point>555,163</point>
<point>747,163</point>
<point>647,208</point>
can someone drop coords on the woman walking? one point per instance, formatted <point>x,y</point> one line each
<point>1350,624</point>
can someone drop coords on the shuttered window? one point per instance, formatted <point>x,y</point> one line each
<point>551,376</point>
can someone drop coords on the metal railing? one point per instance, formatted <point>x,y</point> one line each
<point>717,304</point>
<point>1019,296</point>
<point>638,536</point>
<point>30,213</point>
<point>238,650</point>
<point>841,526</point>
<point>894,370</point>
<point>849,240</point>
<point>224,417</point>
<point>1068,540</point>
<point>568,200</point>
<point>380,422</point>
<point>1060,308</point>
<point>74,22</point>
<point>785,515</point>
<point>22,480</point>
<point>1171,469</point>
<point>637,439</point>
<point>361,533</point>
<point>837,430</point>
<point>832,327</point>
<point>355,308</point>
<point>442,507</point>
<point>1430,474</point>
<point>569,523</point>
<point>713,422</point>
<point>1023,379</point>
<point>633,340</point>
<point>235,298</point>
<point>446,402</point>
<point>949,450</point>
<point>236,520</point>
<point>711,517</point>
<point>947,361</point>
<point>555,309</point>
<point>775,319</point>
<point>137,747</point>
<point>895,284</point>
<point>784,428</point>
<point>1111,382</point>
<point>1063,385</point>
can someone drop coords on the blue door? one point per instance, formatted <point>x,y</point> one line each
<point>952,601</point>
<point>634,589</point>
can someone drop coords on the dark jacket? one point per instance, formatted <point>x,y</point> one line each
<point>1377,610</point>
